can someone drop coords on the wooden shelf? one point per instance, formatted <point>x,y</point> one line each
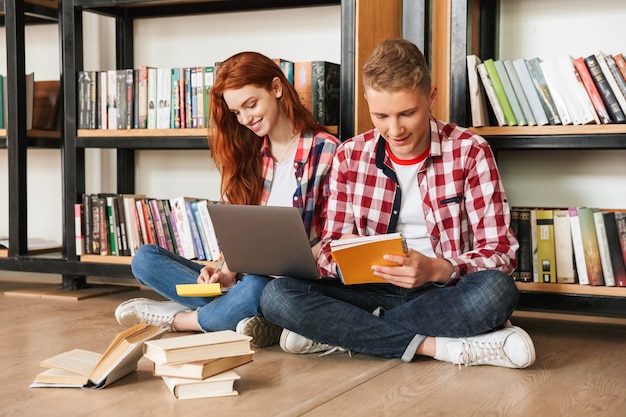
<point>550,130</point>
<point>571,289</point>
<point>123,260</point>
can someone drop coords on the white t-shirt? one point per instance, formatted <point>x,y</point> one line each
<point>283,184</point>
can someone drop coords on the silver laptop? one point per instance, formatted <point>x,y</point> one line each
<point>263,240</point>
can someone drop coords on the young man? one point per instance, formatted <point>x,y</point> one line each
<point>451,297</point>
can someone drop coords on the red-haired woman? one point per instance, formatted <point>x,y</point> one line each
<point>269,150</point>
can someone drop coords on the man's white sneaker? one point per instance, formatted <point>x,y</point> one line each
<point>510,347</point>
<point>263,332</point>
<point>292,342</point>
<point>156,313</point>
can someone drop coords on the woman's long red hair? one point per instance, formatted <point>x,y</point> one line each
<point>235,148</point>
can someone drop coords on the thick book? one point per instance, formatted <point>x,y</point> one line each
<point>82,368</point>
<point>592,90</point>
<point>302,77</point>
<point>509,116</point>
<point>511,96</point>
<point>590,246</point>
<point>220,385</point>
<point>603,247</point>
<point>565,266</point>
<point>577,247</point>
<point>491,94</point>
<point>356,256</point>
<point>519,92</point>
<point>524,252</point>
<point>605,89</point>
<point>197,347</point>
<point>620,219</point>
<point>477,95</point>
<point>203,369</point>
<point>546,250</point>
<point>325,80</point>
<point>530,91</point>
<point>541,86</point>
<point>615,248</point>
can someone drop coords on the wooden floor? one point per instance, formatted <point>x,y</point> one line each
<point>580,371</point>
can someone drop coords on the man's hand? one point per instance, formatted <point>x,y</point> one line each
<point>414,270</point>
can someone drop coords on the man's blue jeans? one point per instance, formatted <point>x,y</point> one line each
<point>385,320</point>
<point>161,270</point>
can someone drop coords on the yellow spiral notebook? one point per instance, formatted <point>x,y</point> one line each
<point>200,290</point>
<point>355,257</point>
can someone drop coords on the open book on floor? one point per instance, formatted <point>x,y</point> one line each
<point>80,368</point>
<point>355,257</point>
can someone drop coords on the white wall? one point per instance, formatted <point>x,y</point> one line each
<point>549,28</point>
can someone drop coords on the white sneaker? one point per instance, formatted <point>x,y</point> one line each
<point>292,342</point>
<point>263,332</point>
<point>510,347</point>
<point>156,313</point>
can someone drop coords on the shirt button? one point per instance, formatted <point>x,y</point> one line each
<point>299,178</point>
<point>395,212</point>
<point>295,199</point>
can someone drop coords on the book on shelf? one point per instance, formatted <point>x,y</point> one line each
<point>510,92</point>
<point>286,66</point>
<point>207,225</point>
<point>605,89</point>
<point>208,84</point>
<point>578,247</point>
<point>46,104</point>
<point>533,244</point>
<point>325,80</point>
<point>592,90</point>
<point>302,71</point>
<point>478,101</point>
<point>590,246</point>
<point>564,252</point>
<point>621,64</point>
<point>514,226</point>
<point>615,249</point>
<point>112,103</point>
<point>186,104</point>
<point>153,83</point>
<point>142,97</point>
<point>131,218</point>
<point>557,90</point>
<point>86,369</point>
<point>163,96</point>
<point>603,247</point>
<point>491,94</point>
<point>195,232</point>
<point>530,91</point>
<point>541,86</point>
<point>79,228</point>
<point>578,101</point>
<point>620,219</point>
<point>519,92</point>
<point>509,117</point>
<point>202,369</point>
<point>158,224</point>
<point>102,100</point>
<point>112,215</point>
<point>546,250</point>
<point>524,252</point>
<point>356,256</point>
<point>195,347</point>
<point>202,232</point>
<point>220,385</point>
<point>617,76</point>
<point>202,121</point>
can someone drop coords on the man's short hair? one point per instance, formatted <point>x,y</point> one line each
<point>396,64</point>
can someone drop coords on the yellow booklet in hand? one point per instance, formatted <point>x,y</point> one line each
<point>355,257</point>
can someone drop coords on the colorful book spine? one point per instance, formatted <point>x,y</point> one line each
<point>565,268</point>
<point>491,94</point>
<point>590,245</point>
<point>605,90</point>
<point>541,86</point>
<point>592,91</point>
<point>545,245</point>
<point>510,93</point>
<point>500,93</point>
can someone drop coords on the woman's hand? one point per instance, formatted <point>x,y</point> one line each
<point>210,274</point>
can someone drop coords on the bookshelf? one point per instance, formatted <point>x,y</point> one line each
<point>355,46</point>
<point>474,28</point>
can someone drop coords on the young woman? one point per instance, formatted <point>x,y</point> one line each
<point>269,150</point>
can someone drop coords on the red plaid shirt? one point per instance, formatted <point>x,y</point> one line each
<point>312,163</point>
<point>466,210</point>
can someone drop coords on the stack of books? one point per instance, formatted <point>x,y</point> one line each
<point>199,365</point>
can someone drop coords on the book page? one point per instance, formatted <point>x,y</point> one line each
<point>77,361</point>
<point>355,241</point>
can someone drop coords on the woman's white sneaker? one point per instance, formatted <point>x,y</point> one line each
<point>156,313</point>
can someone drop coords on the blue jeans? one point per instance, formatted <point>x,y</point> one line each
<point>161,270</point>
<point>385,320</point>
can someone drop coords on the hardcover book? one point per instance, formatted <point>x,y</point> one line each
<point>356,256</point>
<point>220,385</point>
<point>82,368</point>
<point>500,93</point>
<point>524,252</point>
<point>325,80</point>
<point>590,246</point>
<point>615,248</point>
<point>519,92</point>
<point>620,219</point>
<point>546,249</point>
<point>183,227</point>
<point>491,94</point>
<point>603,247</point>
<point>302,78</point>
<point>478,101</point>
<point>203,369</point>
<point>510,93</point>
<point>565,267</point>
<point>592,91</point>
<point>531,92</point>
<point>196,347</point>
<point>541,86</point>
<point>578,100</point>
<point>558,91</point>
<point>605,89</point>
